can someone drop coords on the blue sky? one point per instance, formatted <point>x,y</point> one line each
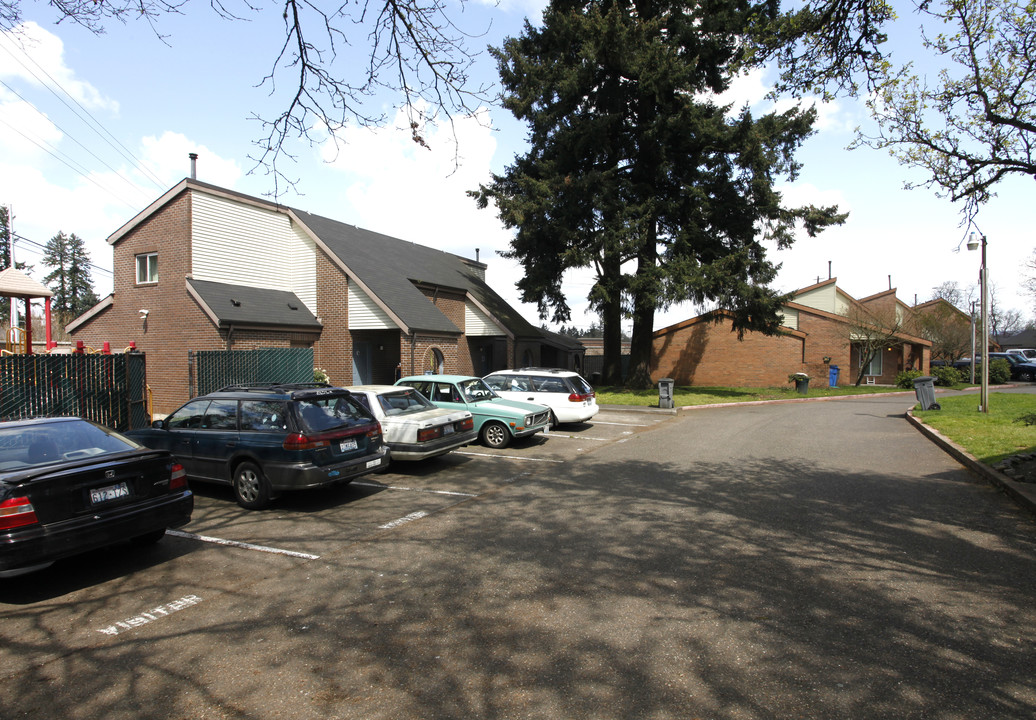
<point>153,101</point>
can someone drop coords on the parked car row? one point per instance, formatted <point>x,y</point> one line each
<point>1022,367</point>
<point>68,485</point>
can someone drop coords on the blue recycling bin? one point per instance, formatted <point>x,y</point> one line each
<point>832,376</point>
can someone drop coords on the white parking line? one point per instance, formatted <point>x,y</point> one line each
<point>242,545</point>
<point>410,489</point>
<point>576,437</point>
<point>405,519</point>
<point>601,422</point>
<point>509,457</point>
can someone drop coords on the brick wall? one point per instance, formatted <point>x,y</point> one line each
<point>175,323</point>
<point>705,353</point>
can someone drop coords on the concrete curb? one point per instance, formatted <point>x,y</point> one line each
<point>683,408</point>
<point>1022,493</point>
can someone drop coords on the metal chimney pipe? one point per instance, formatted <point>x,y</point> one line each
<point>476,254</point>
<point>194,165</point>
<point>828,269</point>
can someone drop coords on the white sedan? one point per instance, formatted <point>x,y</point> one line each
<point>413,427</point>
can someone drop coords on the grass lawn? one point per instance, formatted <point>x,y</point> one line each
<point>714,395</point>
<point>988,436</point>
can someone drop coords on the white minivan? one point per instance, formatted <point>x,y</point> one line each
<point>569,397</point>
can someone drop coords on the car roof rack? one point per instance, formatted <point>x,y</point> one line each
<point>266,387</point>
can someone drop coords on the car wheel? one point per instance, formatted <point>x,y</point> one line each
<point>495,435</point>
<point>251,488</point>
<point>553,420</point>
<point>1025,376</point>
<point>149,538</point>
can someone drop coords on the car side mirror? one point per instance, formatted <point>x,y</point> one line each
<point>158,424</point>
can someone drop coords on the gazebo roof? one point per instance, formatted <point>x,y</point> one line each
<point>15,283</point>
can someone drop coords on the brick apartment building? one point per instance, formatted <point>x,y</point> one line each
<point>817,334</point>
<point>205,268</point>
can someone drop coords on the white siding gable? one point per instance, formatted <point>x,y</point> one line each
<point>477,322</point>
<point>364,313</point>
<point>789,317</point>
<point>241,244</point>
<point>827,298</point>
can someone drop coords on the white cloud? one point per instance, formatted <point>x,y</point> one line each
<point>37,56</point>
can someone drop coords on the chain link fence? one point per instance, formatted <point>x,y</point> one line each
<point>214,369</point>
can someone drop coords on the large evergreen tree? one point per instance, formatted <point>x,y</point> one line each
<point>70,279</point>
<point>634,171</point>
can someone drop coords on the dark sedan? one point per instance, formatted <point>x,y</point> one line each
<point>68,485</point>
<point>1020,369</point>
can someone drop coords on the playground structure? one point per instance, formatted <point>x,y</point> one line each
<point>16,284</point>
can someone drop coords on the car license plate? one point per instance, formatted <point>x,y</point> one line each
<point>373,463</point>
<point>447,429</point>
<point>111,492</point>
<point>347,444</point>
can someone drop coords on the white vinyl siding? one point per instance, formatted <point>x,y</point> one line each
<point>827,298</point>
<point>364,313</point>
<point>240,244</point>
<point>477,323</point>
<point>790,318</point>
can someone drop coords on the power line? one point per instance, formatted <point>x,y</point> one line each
<point>69,163</point>
<point>40,249</point>
<point>121,149</point>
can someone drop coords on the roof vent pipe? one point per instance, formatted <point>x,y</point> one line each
<point>476,254</point>
<point>194,165</point>
<point>828,269</point>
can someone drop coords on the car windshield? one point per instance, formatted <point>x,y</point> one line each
<point>28,445</point>
<point>404,402</point>
<point>332,413</point>
<point>475,390</point>
<point>582,386</point>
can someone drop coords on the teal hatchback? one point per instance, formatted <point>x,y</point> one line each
<point>497,421</point>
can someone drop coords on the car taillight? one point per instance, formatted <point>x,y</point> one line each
<point>429,434</point>
<point>298,441</point>
<point>374,432</point>
<point>16,512</point>
<point>467,424</point>
<point>178,477</point>
<point>576,397</point>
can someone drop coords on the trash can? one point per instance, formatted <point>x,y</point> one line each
<point>832,376</point>
<point>665,392</point>
<point>924,386</point>
<point>801,382</point>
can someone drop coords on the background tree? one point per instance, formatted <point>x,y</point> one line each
<point>415,52</point>
<point>70,279</point>
<point>949,328</point>
<point>969,129</point>
<point>871,330</point>
<point>976,125</point>
<point>954,294</point>
<point>636,173</point>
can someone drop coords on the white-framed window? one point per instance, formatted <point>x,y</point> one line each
<point>147,268</point>
<point>874,367</point>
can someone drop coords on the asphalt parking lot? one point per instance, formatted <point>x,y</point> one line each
<point>84,602</point>
<point>794,560</point>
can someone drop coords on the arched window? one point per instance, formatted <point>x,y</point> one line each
<point>434,363</point>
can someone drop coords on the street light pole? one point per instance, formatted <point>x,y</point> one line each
<point>973,244</point>
<point>972,380</point>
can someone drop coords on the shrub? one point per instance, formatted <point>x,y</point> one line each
<point>906,378</point>
<point>999,371</point>
<point>947,375</point>
<point>320,375</point>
